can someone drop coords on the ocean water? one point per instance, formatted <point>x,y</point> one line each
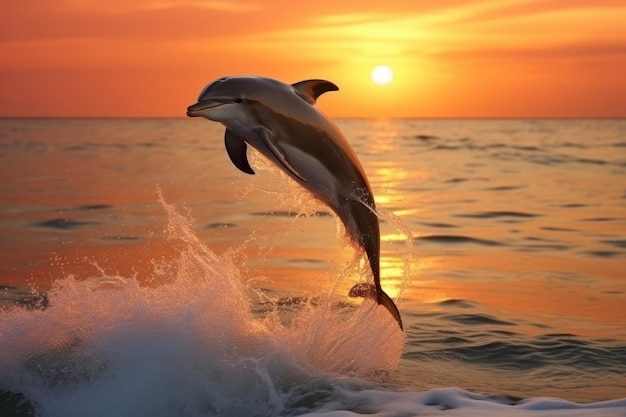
<point>142,274</point>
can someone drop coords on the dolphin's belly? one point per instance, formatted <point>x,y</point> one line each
<point>320,180</point>
<point>324,158</point>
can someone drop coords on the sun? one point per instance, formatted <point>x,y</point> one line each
<point>382,75</point>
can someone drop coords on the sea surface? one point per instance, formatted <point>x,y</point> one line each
<point>142,274</point>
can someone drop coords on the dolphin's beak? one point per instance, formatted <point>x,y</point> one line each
<point>195,110</point>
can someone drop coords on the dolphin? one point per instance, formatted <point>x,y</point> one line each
<point>282,122</point>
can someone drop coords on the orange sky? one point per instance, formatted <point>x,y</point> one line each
<point>451,58</point>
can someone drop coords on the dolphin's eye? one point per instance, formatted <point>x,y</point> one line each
<point>239,100</point>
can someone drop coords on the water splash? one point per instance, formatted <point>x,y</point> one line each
<point>191,345</point>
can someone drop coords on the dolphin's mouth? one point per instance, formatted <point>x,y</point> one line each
<point>195,109</point>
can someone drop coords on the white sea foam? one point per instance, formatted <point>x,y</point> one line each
<point>456,402</point>
<point>191,345</point>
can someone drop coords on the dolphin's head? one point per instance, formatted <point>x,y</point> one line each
<point>225,98</point>
<point>231,99</point>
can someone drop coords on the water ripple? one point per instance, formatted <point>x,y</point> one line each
<point>476,320</point>
<point>621,243</point>
<point>563,352</point>
<point>456,239</point>
<point>498,214</point>
<point>455,302</point>
<point>438,225</point>
<point>63,224</point>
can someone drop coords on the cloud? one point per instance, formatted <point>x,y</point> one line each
<point>123,6</point>
<point>581,50</point>
<point>222,6</point>
<point>187,19</point>
<point>503,10</point>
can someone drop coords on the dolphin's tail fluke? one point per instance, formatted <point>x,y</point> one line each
<point>386,301</point>
<point>368,290</point>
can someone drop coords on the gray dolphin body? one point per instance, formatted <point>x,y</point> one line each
<point>282,122</point>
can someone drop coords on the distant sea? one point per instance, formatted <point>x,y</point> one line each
<point>142,274</point>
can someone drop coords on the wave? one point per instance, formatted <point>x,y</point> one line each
<point>498,214</point>
<point>64,223</point>
<point>190,341</point>
<point>196,340</point>
<point>561,354</point>
<point>457,239</point>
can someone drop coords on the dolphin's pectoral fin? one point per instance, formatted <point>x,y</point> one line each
<point>236,149</point>
<point>368,290</point>
<point>279,153</point>
<point>310,90</point>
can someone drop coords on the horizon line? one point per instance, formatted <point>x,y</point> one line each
<point>333,118</point>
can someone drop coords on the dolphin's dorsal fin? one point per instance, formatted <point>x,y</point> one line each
<point>266,136</point>
<point>236,148</point>
<point>310,90</point>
